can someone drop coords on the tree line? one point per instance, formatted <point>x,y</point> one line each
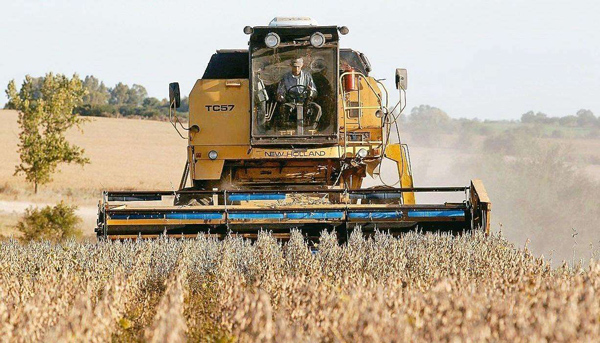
<point>430,117</point>
<point>433,116</point>
<point>121,100</point>
<point>582,118</point>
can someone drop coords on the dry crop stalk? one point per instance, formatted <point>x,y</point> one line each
<point>414,288</point>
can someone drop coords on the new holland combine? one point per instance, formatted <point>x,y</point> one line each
<point>281,136</point>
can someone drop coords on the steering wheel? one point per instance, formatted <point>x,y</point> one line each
<point>301,93</point>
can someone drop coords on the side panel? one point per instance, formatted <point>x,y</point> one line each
<point>221,110</point>
<point>208,170</point>
<point>243,152</point>
<point>397,153</point>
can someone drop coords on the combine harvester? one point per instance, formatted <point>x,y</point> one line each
<point>281,136</point>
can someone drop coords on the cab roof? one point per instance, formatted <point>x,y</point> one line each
<point>259,32</point>
<point>235,63</point>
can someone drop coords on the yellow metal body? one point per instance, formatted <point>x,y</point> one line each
<point>358,108</point>
<point>227,132</point>
<point>481,201</point>
<point>220,128</point>
<point>399,154</point>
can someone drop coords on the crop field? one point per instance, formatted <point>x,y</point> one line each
<point>417,288</point>
<point>124,154</point>
<point>414,288</point>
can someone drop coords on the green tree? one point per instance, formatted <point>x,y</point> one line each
<point>430,117</point>
<point>537,118</point>
<point>44,118</point>
<point>97,92</point>
<point>585,118</point>
<point>136,95</point>
<point>528,117</point>
<point>151,103</point>
<point>185,105</point>
<point>33,88</point>
<point>568,121</point>
<point>119,94</point>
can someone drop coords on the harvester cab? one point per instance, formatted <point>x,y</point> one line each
<point>281,136</point>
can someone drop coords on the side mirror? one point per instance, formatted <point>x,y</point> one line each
<point>174,95</point>
<point>401,78</point>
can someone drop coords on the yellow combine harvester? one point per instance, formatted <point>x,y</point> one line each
<point>281,136</point>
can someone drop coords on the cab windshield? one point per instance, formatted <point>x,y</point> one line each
<point>294,91</point>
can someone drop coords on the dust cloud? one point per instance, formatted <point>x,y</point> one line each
<point>540,198</point>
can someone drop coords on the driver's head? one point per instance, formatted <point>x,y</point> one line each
<point>297,66</point>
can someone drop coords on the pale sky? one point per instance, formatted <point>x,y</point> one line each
<point>486,59</point>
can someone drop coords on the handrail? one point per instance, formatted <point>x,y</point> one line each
<point>364,77</point>
<point>346,108</point>
<point>359,75</point>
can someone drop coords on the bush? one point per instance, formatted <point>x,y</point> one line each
<point>96,110</point>
<point>558,134</point>
<point>594,134</point>
<point>512,141</point>
<point>52,223</point>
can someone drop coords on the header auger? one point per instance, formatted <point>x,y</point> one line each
<point>281,136</point>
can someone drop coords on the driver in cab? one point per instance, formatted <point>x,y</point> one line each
<point>298,83</point>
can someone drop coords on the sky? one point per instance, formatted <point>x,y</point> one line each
<point>484,59</point>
